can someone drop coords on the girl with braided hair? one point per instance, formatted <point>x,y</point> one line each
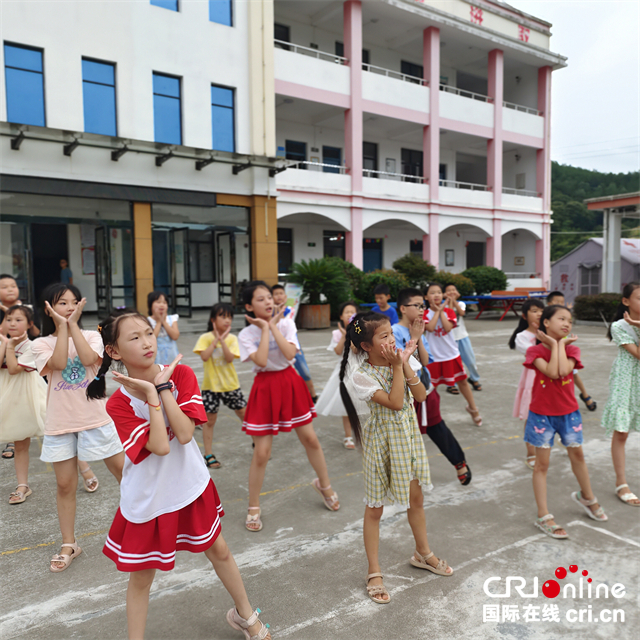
<point>394,458</point>
<point>168,502</point>
<point>75,428</point>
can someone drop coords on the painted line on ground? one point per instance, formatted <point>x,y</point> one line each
<point>604,531</point>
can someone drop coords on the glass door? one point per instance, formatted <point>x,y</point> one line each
<point>114,268</point>
<point>226,267</point>
<point>15,257</point>
<point>180,278</point>
<point>103,272</point>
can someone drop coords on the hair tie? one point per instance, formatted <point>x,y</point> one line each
<point>97,378</point>
<point>99,329</point>
<point>357,327</point>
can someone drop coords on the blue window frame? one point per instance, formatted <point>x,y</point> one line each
<point>222,119</point>
<point>167,117</point>
<point>24,77</point>
<point>99,94</point>
<point>220,11</point>
<point>172,5</point>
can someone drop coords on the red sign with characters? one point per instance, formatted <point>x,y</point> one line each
<point>523,33</point>
<point>476,15</point>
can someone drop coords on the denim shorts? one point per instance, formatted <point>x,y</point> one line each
<point>302,367</point>
<point>92,444</point>
<point>540,430</point>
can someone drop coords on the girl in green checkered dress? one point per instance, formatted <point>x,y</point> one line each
<point>394,458</point>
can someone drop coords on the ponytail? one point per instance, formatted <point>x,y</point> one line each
<point>352,414</point>
<point>98,386</point>
<point>524,322</point>
<point>626,293</point>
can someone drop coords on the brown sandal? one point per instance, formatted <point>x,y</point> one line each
<point>330,502</point>
<point>65,558</point>
<point>421,562</point>
<point>20,495</point>
<point>374,591</point>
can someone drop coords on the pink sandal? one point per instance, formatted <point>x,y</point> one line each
<point>236,621</point>
<point>475,416</point>
<point>90,484</point>
<point>17,496</point>
<point>65,558</point>
<point>330,503</point>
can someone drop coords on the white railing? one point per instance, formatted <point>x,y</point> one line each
<point>519,107</point>
<point>387,175</point>
<point>521,274</point>
<point>465,94</point>
<point>453,184</point>
<point>520,192</point>
<point>307,51</point>
<point>319,166</point>
<point>394,74</point>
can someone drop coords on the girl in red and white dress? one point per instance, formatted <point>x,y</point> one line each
<point>279,398</point>
<point>168,501</point>
<point>446,367</point>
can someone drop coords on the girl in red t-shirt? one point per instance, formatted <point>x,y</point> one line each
<point>554,409</point>
<point>168,501</point>
<point>446,367</point>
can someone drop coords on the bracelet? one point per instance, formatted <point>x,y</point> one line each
<point>413,384</point>
<point>412,377</point>
<point>166,386</point>
<point>155,406</point>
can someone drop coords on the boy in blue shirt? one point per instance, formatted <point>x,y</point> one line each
<point>382,295</point>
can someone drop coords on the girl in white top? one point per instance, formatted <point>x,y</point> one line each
<point>23,394</point>
<point>279,398</point>
<point>165,327</point>
<point>168,501</point>
<point>521,339</point>
<point>446,367</point>
<point>74,428</point>
<point>330,403</point>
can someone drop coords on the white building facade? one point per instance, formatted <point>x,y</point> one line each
<point>420,126</point>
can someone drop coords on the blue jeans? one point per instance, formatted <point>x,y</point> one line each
<point>469,358</point>
<point>302,367</point>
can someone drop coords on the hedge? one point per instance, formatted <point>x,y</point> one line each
<point>417,271</point>
<point>393,279</point>
<point>463,284</point>
<point>486,279</point>
<point>596,306</point>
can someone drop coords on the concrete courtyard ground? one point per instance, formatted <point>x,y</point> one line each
<point>306,569</point>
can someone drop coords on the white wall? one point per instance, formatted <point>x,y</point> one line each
<point>464,109</point>
<point>527,124</point>
<point>524,91</point>
<point>393,91</point>
<point>519,243</point>
<point>527,164</point>
<point>457,239</point>
<point>319,74</point>
<point>140,38</point>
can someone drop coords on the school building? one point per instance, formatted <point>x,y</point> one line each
<point>190,146</point>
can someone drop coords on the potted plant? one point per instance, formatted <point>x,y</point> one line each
<point>318,278</point>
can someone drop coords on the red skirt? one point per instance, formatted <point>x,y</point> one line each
<point>448,372</point>
<point>153,544</point>
<point>279,401</point>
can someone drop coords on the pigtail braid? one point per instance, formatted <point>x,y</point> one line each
<point>352,414</point>
<point>98,386</point>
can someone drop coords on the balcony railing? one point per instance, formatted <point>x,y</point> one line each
<point>387,175</point>
<point>520,192</point>
<point>395,74</point>
<point>453,184</point>
<point>307,51</point>
<point>464,93</point>
<point>519,107</point>
<point>319,166</point>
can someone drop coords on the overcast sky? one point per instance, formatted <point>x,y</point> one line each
<point>595,109</point>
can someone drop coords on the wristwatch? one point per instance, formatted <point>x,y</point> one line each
<point>166,386</point>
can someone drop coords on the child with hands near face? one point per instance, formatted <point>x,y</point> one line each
<point>74,429</point>
<point>446,367</point>
<point>168,502</point>
<point>218,348</point>
<point>279,399</point>
<point>395,462</point>
<point>554,409</point>
<point>23,395</point>
<point>165,327</point>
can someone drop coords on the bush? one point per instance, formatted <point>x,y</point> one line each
<point>463,284</point>
<point>393,279</point>
<point>597,306</point>
<point>486,279</point>
<point>320,277</point>
<point>352,273</point>
<point>417,271</point>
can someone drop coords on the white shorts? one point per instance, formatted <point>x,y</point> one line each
<point>92,444</point>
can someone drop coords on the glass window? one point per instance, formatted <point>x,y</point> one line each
<point>166,109</point>
<point>24,78</point>
<point>415,247</point>
<point>285,250</point>
<point>411,69</point>
<point>334,244</point>
<point>331,155</point>
<point>340,52</point>
<point>201,256</point>
<point>590,281</point>
<point>99,95</point>
<point>370,158</point>
<point>296,151</point>
<point>172,5</point>
<point>282,33</point>
<point>411,162</point>
<point>220,12</point>
<point>222,119</point>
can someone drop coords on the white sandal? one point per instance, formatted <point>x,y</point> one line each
<point>90,484</point>
<point>530,465</point>
<point>348,443</point>
<point>21,495</point>
<point>375,591</point>
<point>236,621</point>
<point>65,558</point>
<point>421,562</point>
<point>330,502</point>
<point>254,520</point>
<point>550,529</point>
<point>627,497</point>
<point>475,416</point>
<point>598,514</point>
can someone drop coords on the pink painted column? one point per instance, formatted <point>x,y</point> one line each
<point>494,146</point>
<point>543,255</point>
<point>431,134</point>
<point>425,247</point>
<point>543,166</point>
<point>494,245</point>
<point>352,11</point>
<point>431,243</point>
